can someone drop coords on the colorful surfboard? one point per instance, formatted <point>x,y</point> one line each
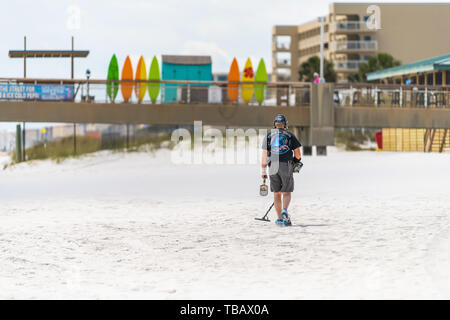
<point>261,76</point>
<point>127,74</point>
<point>153,88</point>
<point>113,74</point>
<point>233,76</point>
<point>141,74</point>
<point>247,76</point>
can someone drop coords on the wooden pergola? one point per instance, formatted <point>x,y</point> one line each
<point>24,54</point>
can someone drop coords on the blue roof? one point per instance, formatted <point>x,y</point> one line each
<point>436,63</point>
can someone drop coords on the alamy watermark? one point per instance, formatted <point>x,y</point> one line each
<point>73,21</point>
<point>210,145</point>
<point>374,19</point>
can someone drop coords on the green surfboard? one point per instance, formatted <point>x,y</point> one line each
<point>153,88</point>
<point>113,74</point>
<point>261,76</point>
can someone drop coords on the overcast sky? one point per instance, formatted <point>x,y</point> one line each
<point>221,28</point>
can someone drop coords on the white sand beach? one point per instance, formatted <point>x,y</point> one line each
<point>366,225</point>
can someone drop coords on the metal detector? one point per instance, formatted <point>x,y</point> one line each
<point>263,191</point>
<point>265,216</point>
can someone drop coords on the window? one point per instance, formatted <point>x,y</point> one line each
<point>447,77</point>
<point>283,58</point>
<point>439,78</point>
<point>430,79</point>
<point>366,18</point>
<point>283,42</point>
<point>367,38</point>
<point>421,79</point>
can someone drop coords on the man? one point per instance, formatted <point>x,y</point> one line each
<point>281,151</point>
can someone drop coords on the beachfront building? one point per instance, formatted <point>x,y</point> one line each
<point>176,67</point>
<point>353,32</point>
<point>430,79</point>
<point>431,72</point>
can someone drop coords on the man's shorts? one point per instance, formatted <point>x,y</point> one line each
<point>281,180</point>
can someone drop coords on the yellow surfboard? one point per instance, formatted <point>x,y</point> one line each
<point>248,76</point>
<point>141,74</point>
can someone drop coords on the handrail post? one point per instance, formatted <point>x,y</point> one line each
<point>351,96</point>
<point>401,96</point>
<point>376,96</point>
<point>188,93</point>
<point>18,143</point>
<point>426,97</point>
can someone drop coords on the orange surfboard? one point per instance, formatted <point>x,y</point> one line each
<point>141,74</point>
<point>233,76</point>
<point>127,74</point>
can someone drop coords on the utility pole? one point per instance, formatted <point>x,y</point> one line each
<point>322,22</point>
<point>24,76</point>
<point>25,57</point>
<point>71,58</point>
<point>74,125</point>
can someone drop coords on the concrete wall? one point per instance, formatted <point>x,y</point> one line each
<point>321,129</point>
<point>371,117</point>
<point>173,114</point>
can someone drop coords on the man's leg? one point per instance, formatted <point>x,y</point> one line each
<point>286,199</point>
<point>277,203</point>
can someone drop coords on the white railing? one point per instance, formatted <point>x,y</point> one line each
<point>283,62</point>
<point>381,95</point>
<point>344,26</point>
<point>348,64</point>
<point>345,45</point>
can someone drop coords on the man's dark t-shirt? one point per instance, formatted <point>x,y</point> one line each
<point>280,143</point>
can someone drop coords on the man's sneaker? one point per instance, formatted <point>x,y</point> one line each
<point>286,219</point>
<point>279,222</point>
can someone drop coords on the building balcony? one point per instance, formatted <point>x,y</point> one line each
<point>281,46</point>
<point>348,65</point>
<point>283,63</point>
<point>354,46</point>
<point>349,27</point>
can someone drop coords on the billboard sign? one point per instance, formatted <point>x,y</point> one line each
<point>43,92</point>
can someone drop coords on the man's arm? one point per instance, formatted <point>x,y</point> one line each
<point>264,164</point>
<point>297,154</point>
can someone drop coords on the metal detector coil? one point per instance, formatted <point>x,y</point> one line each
<point>265,216</point>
